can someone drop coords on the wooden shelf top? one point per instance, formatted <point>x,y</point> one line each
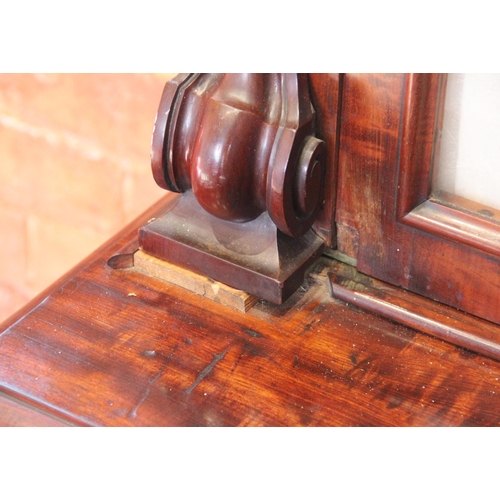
<point>114,347</point>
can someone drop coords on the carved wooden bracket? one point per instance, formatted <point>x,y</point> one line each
<point>242,148</point>
<point>244,144</point>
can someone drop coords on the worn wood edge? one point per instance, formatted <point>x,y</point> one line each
<point>31,401</point>
<point>488,214</point>
<point>341,257</point>
<point>206,287</point>
<point>17,413</point>
<point>483,340</point>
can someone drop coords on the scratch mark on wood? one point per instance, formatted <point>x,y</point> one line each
<point>133,413</point>
<point>253,333</point>
<point>206,371</point>
<point>69,284</point>
<point>365,368</point>
<point>254,351</point>
<point>308,326</point>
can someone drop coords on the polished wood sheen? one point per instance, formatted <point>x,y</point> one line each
<point>108,345</point>
<point>113,347</point>
<point>326,95</point>
<point>254,256</point>
<point>242,149</point>
<point>386,217</point>
<point>433,318</point>
<point>244,144</point>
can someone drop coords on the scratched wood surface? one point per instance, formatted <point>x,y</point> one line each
<point>113,347</point>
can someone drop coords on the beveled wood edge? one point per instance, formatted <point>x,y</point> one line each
<point>423,110</point>
<point>484,339</point>
<point>456,225</point>
<point>16,411</point>
<point>423,96</point>
<point>471,207</point>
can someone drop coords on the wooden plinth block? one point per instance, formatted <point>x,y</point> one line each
<point>206,287</point>
<point>252,256</point>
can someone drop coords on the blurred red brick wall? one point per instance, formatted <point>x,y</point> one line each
<point>74,169</point>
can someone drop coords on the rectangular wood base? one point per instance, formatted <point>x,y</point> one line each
<point>253,256</point>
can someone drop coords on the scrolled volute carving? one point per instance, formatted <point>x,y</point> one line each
<point>245,144</point>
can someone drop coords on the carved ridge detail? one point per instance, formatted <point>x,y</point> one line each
<point>244,143</point>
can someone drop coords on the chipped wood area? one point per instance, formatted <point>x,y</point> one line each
<point>206,287</point>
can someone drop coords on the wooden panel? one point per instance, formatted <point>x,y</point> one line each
<point>457,219</point>
<point>118,348</point>
<point>388,128</point>
<point>368,160</point>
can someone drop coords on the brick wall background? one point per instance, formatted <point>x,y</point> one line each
<point>74,169</point>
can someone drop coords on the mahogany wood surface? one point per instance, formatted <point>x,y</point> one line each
<point>114,347</point>
<point>414,311</point>
<point>419,107</point>
<point>388,127</point>
<point>244,144</point>
<point>254,256</point>
<point>242,149</point>
<point>326,93</point>
<point>456,225</point>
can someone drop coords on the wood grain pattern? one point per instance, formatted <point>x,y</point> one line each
<point>438,320</point>
<point>196,283</point>
<point>368,161</point>
<point>113,347</point>
<point>384,220</point>
<point>419,131</point>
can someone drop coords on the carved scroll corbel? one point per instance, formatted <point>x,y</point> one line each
<point>242,148</point>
